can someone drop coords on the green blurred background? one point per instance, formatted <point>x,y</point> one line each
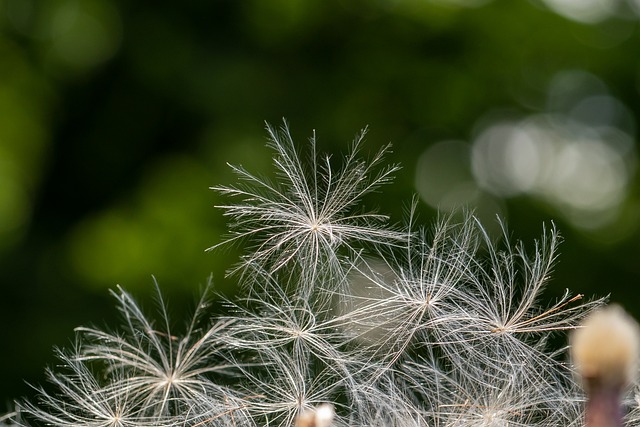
<point>116,116</point>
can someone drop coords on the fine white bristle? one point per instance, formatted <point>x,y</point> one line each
<point>605,349</point>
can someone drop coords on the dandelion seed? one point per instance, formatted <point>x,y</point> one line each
<point>416,291</point>
<point>164,372</point>
<point>292,325</point>
<point>511,285</point>
<point>309,213</point>
<point>289,387</point>
<point>81,401</point>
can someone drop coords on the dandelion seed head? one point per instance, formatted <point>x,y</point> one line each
<point>607,346</point>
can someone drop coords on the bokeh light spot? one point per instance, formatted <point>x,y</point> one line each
<point>84,33</point>
<point>587,11</point>
<point>560,161</point>
<point>442,176</point>
<point>589,175</point>
<point>508,160</point>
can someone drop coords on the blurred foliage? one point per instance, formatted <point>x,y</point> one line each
<point>116,117</point>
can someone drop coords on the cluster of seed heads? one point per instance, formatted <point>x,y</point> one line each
<point>347,320</point>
